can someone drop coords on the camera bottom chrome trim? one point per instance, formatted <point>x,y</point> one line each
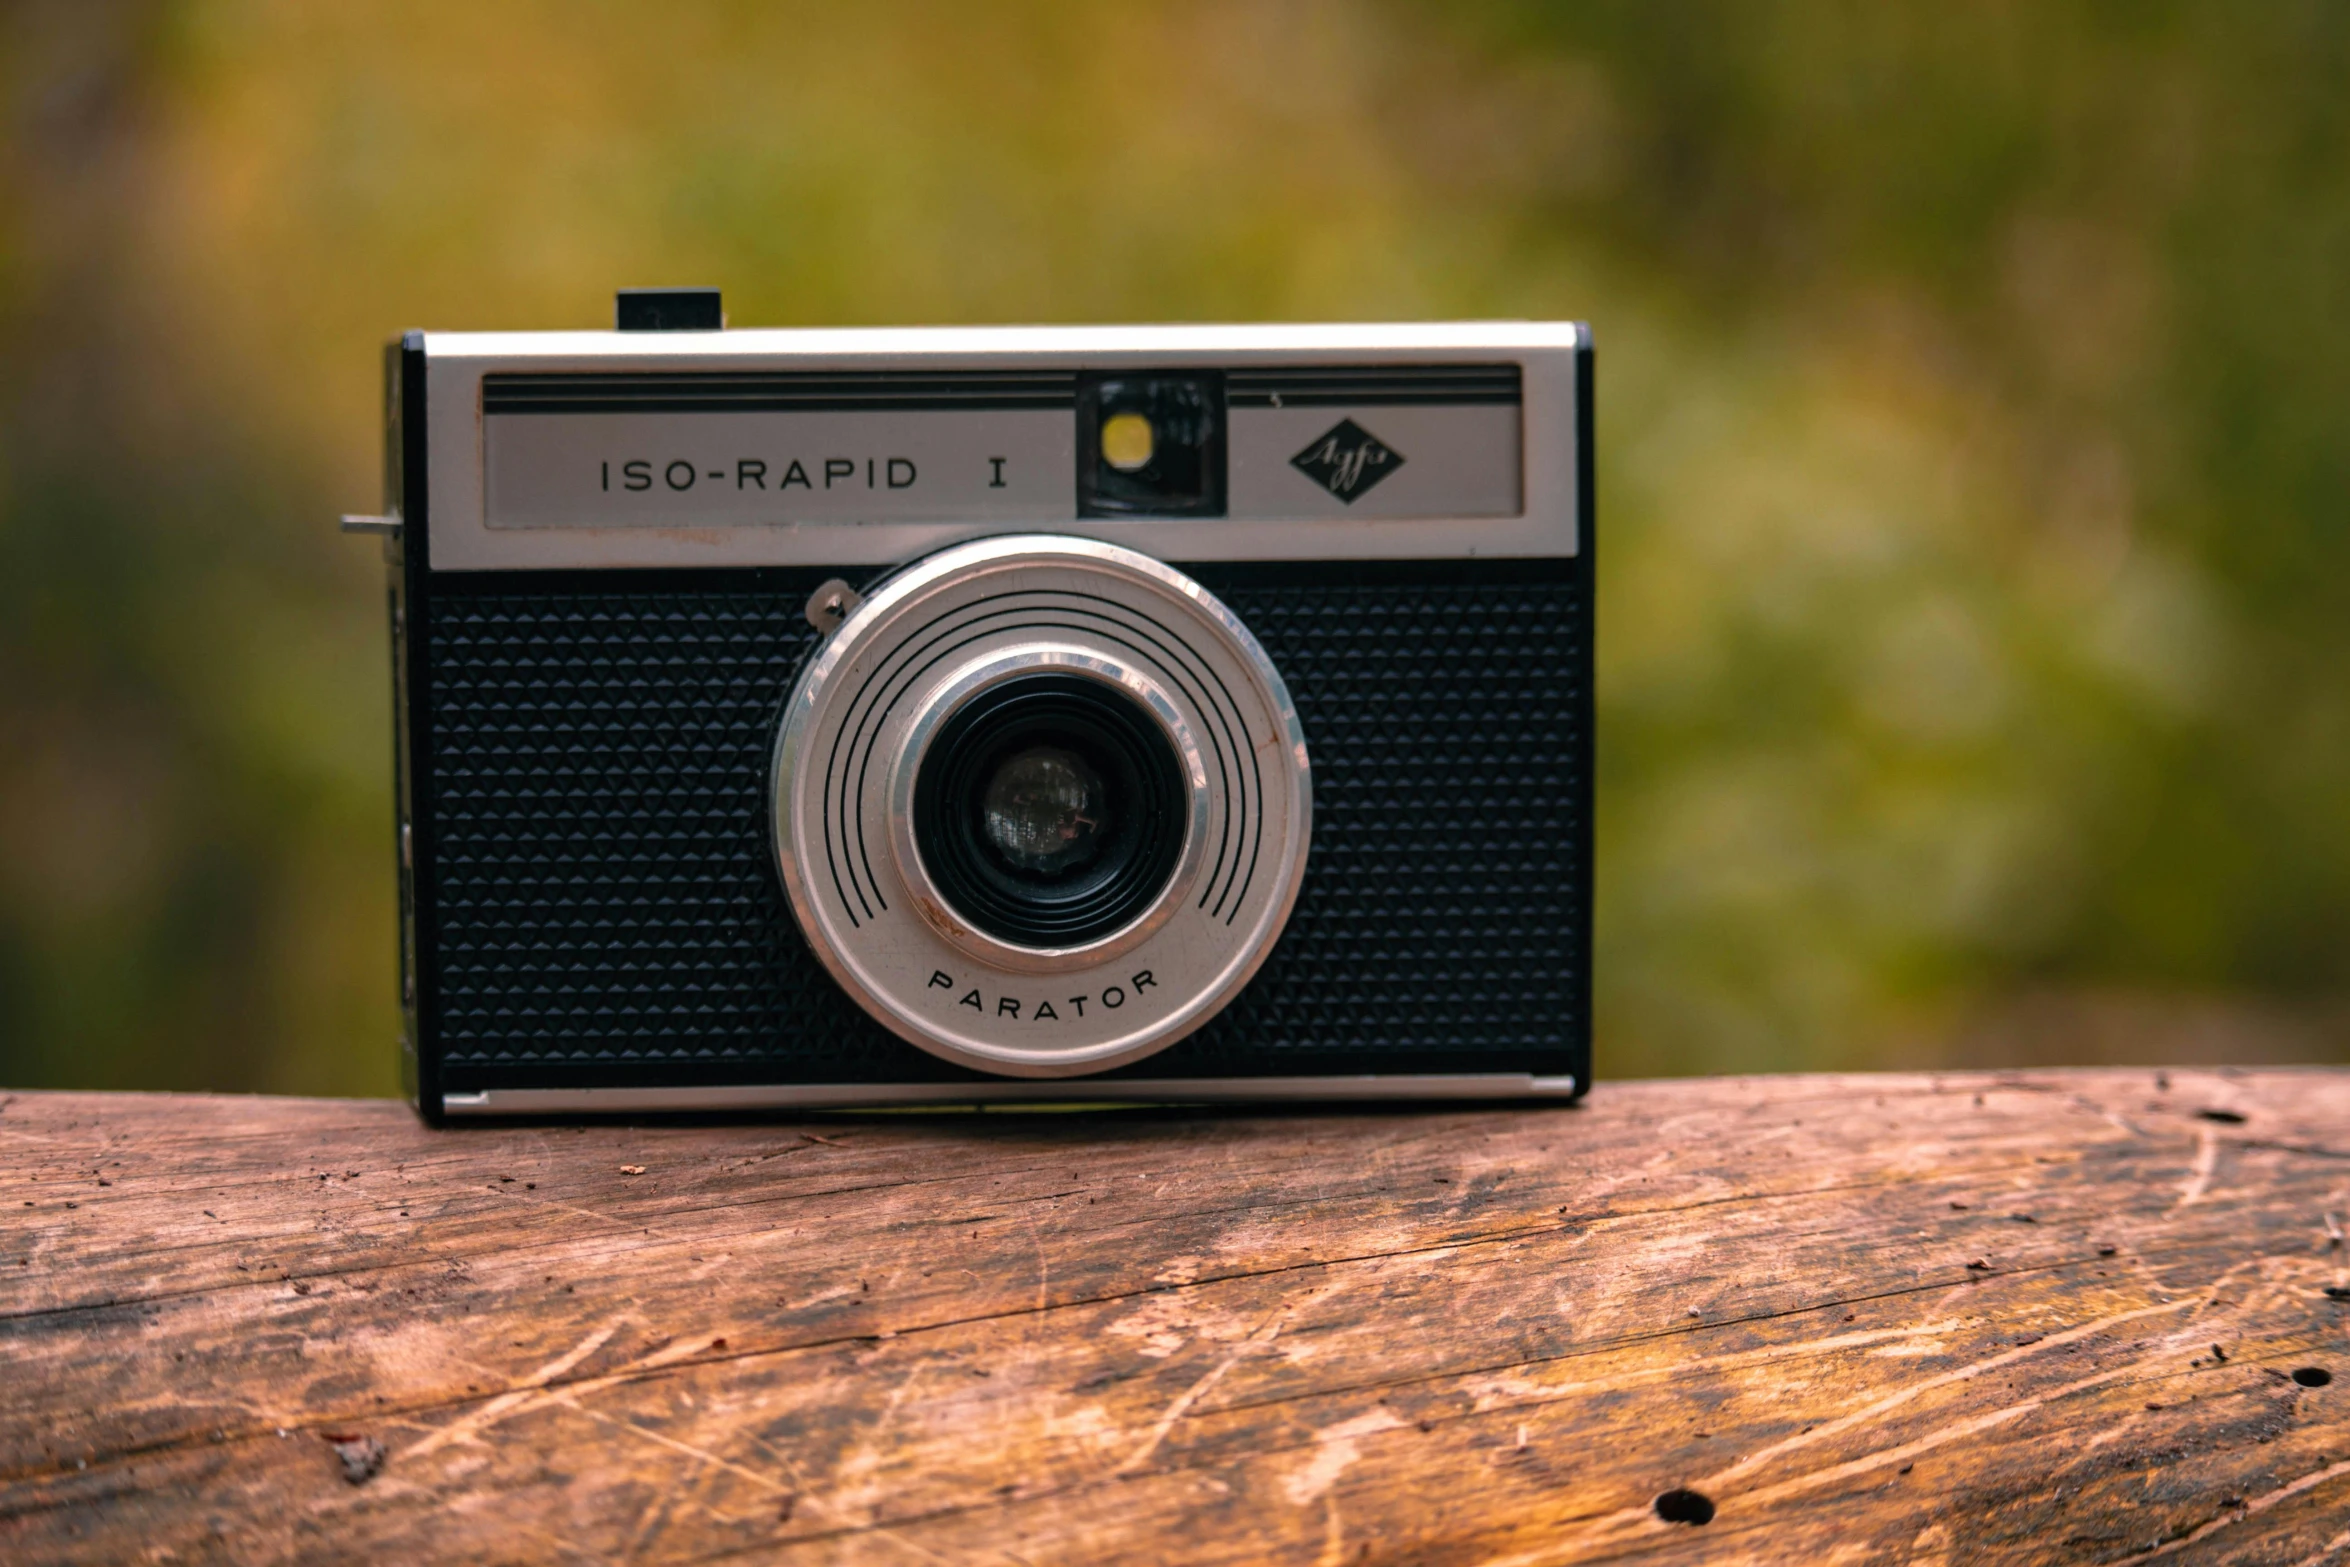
<point>1134,1090</point>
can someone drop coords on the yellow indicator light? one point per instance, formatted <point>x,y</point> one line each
<point>1127,441</point>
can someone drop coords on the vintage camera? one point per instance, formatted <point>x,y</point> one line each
<point>803,718</point>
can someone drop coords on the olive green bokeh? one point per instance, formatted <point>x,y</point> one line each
<point>1975,616</point>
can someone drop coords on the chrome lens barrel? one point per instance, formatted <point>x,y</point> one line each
<point>1041,804</point>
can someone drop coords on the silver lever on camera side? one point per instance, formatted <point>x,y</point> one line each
<point>354,522</point>
<point>831,604</point>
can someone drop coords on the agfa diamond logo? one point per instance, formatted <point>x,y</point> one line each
<point>1347,460</point>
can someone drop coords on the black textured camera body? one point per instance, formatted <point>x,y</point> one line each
<point>592,914</point>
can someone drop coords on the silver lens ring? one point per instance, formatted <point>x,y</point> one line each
<point>938,705</point>
<point>981,626</point>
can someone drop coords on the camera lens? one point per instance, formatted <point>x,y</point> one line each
<point>1045,812</point>
<point>1049,810</point>
<point>1042,805</point>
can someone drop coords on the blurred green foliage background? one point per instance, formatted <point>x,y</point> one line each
<point>1974,425</point>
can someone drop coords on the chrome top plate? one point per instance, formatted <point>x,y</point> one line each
<point>520,482</point>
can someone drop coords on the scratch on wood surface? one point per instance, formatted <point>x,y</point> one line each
<point>870,1455</point>
<point>1265,1333</point>
<point>1513,1389</point>
<point>2131,1428</point>
<point>2261,1504</point>
<point>1930,1547</point>
<point>1965,1373</point>
<point>1044,1268</point>
<point>805,1494</point>
<point>2327,1552</point>
<point>821,1296</point>
<point>1940,1436</point>
<point>1640,1517</point>
<point>1333,1534</point>
<point>466,1426</point>
<point>655,1507</point>
<point>1334,1449</point>
<point>2111,1117</point>
<point>2199,1178</point>
<point>769,1483</point>
<point>631,1225</point>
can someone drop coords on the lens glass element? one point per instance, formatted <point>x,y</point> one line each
<point>1049,810</point>
<point>1045,812</point>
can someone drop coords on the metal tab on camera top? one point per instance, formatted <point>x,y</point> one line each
<point>1041,805</point>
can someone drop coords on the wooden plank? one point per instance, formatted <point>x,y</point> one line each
<point>2051,1316</point>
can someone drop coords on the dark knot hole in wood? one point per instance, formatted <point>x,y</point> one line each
<point>1681,1505</point>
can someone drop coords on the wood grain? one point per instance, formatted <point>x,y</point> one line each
<point>2040,1317</point>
